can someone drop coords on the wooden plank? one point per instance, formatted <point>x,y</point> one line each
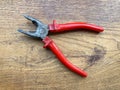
<point>26,65</point>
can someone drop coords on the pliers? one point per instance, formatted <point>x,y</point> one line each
<point>42,31</point>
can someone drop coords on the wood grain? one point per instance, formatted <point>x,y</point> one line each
<point>26,65</point>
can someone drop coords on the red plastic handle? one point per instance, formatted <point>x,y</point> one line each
<point>51,45</point>
<point>73,26</point>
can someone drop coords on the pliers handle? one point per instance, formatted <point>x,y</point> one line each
<point>73,26</point>
<point>56,28</point>
<point>52,46</point>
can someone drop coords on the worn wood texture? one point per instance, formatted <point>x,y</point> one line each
<point>26,65</point>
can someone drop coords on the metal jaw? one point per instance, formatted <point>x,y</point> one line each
<point>41,30</point>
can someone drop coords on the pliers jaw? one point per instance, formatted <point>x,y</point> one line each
<point>41,30</point>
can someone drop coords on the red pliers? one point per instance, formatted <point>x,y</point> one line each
<point>42,32</point>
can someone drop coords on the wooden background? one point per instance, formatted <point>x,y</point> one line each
<point>26,65</point>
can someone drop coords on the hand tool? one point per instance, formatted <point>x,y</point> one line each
<point>42,31</point>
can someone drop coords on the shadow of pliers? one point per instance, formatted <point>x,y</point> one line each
<point>42,32</point>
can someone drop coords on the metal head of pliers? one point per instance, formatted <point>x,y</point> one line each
<point>41,30</point>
